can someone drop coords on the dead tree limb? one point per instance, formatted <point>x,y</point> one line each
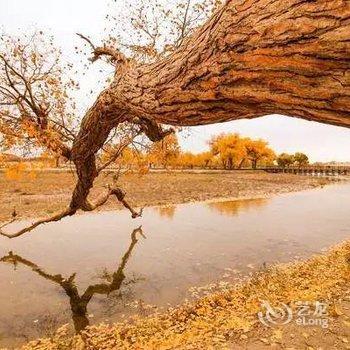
<point>115,55</point>
<point>34,225</point>
<point>115,191</point>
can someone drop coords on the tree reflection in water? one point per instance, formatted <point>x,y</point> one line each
<point>166,211</point>
<point>233,208</point>
<point>79,303</point>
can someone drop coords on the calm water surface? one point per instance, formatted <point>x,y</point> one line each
<point>91,268</point>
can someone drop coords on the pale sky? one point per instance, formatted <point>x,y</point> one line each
<point>64,18</point>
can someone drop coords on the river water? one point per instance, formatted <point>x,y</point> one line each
<point>103,267</point>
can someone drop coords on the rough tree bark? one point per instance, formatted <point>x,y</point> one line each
<point>252,58</point>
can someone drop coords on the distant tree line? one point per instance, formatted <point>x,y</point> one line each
<point>226,151</point>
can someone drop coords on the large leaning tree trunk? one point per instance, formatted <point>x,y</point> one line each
<point>252,58</point>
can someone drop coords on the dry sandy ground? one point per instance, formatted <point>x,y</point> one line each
<point>50,191</point>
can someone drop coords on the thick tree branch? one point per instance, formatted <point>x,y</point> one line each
<point>120,196</point>
<point>293,61</point>
<point>115,55</point>
<point>153,130</point>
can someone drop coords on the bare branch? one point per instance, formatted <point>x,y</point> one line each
<point>93,47</point>
<point>184,25</point>
<point>115,55</point>
<point>117,153</point>
<point>57,217</point>
<point>120,195</point>
<point>115,191</point>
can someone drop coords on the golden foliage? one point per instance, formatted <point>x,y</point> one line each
<point>299,159</point>
<point>164,152</point>
<point>235,151</point>
<point>229,148</point>
<point>258,152</point>
<point>35,108</point>
<point>15,171</point>
<point>19,171</point>
<point>227,151</point>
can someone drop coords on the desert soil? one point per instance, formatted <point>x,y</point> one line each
<point>49,191</point>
